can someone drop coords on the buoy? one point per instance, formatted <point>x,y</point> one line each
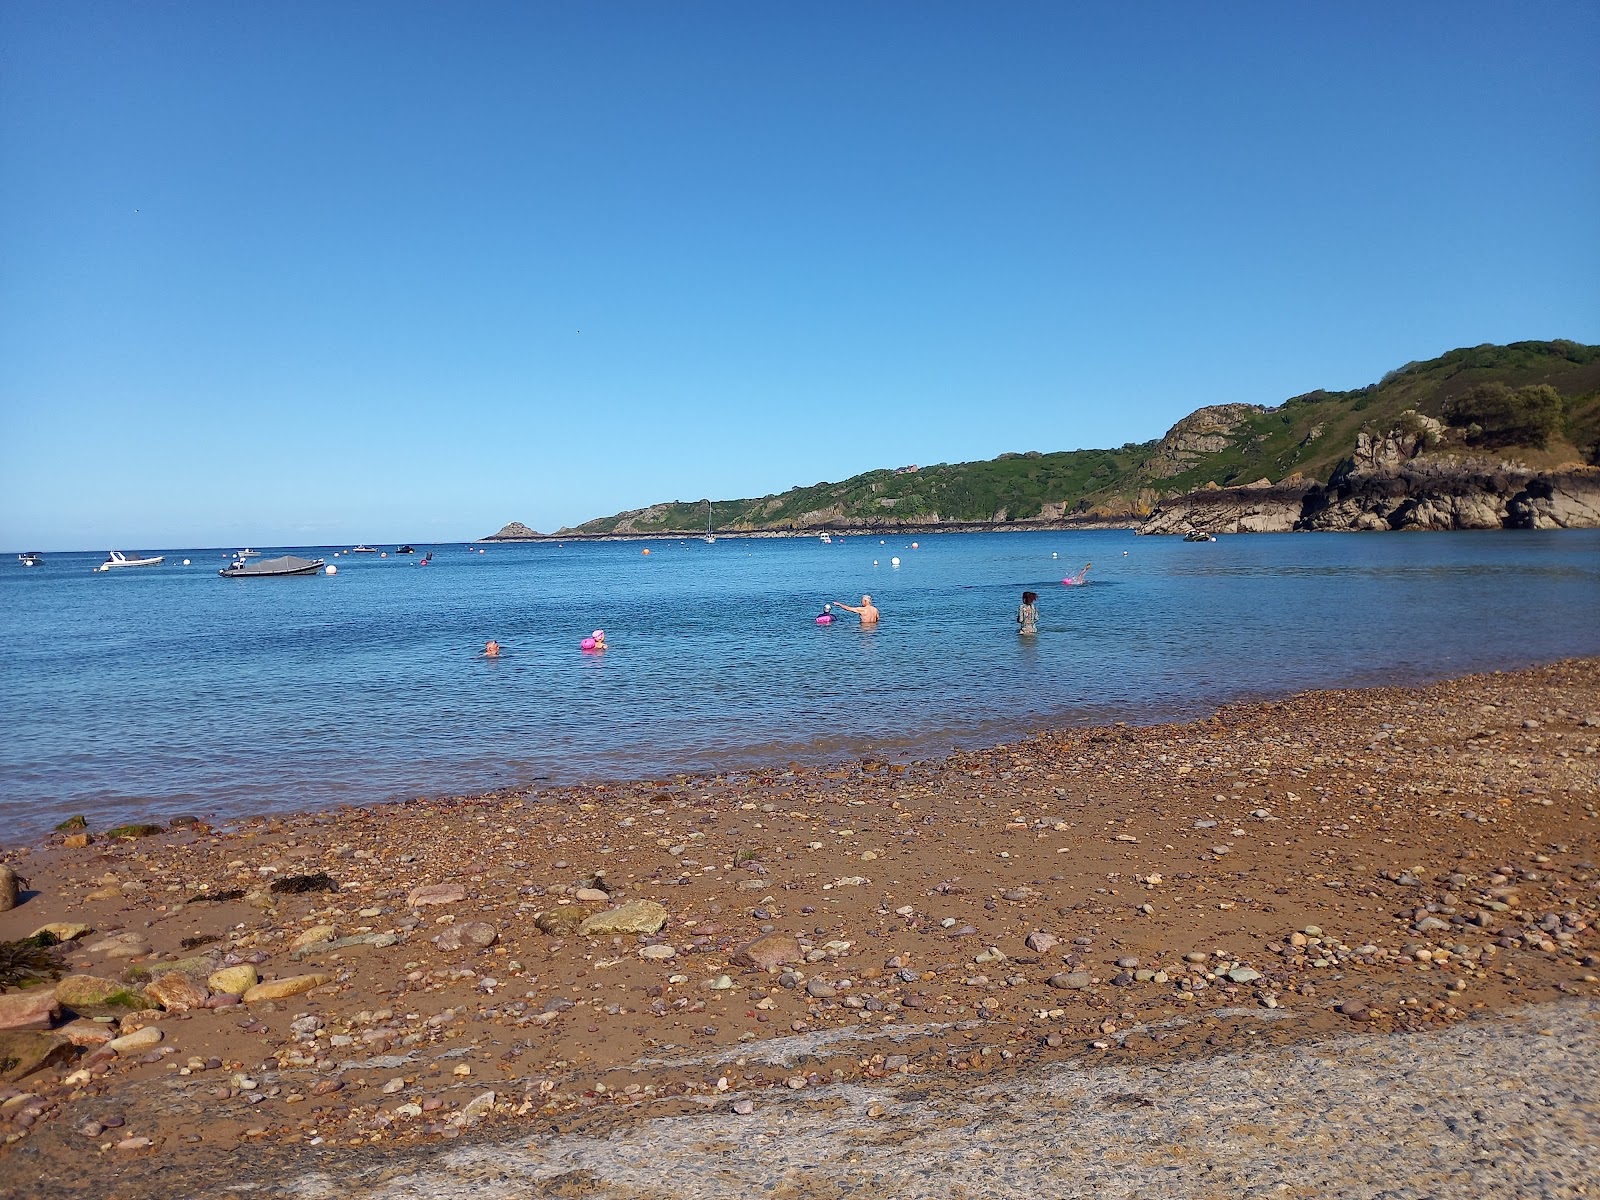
<point>385,554</point>
<point>1053,554</point>
<point>332,570</point>
<point>186,562</point>
<point>894,562</point>
<point>644,552</point>
<point>913,545</point>
<point>825,619</point>
<point>874,562</point>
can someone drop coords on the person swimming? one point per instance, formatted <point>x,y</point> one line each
<point>826,616</point>
<point>491,649</point>
<point>1077,580</point>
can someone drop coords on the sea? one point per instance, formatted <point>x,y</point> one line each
<point>138,694</point>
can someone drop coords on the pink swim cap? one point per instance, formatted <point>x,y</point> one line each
<point>598,634</point>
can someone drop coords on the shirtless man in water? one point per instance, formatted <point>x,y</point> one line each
<point>867,613</point>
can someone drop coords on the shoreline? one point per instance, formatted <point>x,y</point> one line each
<point>1096,894</point>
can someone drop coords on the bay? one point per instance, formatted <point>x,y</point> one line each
<point>139,693</point>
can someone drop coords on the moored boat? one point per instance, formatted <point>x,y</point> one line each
<point>268,568</point>
<point>116,558</point>
<point>363,549</point>
<point>31,558</point>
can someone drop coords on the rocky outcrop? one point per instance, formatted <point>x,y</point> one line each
<point>1202,433</point>
<point>1419,494</point>
<point>515,531</point>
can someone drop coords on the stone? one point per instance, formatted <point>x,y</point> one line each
<point>176,992</point>
<point>474,1110</point>
<point>10,888</point>
<point>233,981</point>
<point>1075,980</point>
<point>470,933</point>
<point>138,1041</point>
<point>22,1052</point>
<point>1355,1010</point>
<point>1040,942</point>
<point>36,1008</point>
<point>76,841</point>
<point>90,991</point>
<point>636,916</point>
<point>313,936</point>
<point>63,931</point>
<point>820,988</point>
<point>87,1033</point>
<point>768,952</point>
<point>560,922</point>
<point>591,895</point>
<point>280,989</point>
<point>657,952</point>
<point>1244,975</point>
<point>436,893</point>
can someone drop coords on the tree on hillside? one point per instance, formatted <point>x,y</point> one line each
<point>1492,414</point>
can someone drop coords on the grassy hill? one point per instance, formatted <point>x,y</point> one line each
<point>1309,435</point>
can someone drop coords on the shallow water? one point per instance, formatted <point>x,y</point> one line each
<point>143,692</point>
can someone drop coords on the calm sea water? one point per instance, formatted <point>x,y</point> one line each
<point>141,693</point>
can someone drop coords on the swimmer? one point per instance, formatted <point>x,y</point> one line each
<point>491,649</point>
<point>596,640</point>
<point>1028,614</point>
<point>826,617</point>
<point>1075,580</point>
<point>865,610</point>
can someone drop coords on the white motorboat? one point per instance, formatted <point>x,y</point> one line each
<point>825,540</point>
<point>116,558</point>
<point>363,550</point>
<point>31,558</point>
<point>248,553</point>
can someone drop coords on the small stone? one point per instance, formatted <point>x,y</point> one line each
<point>589,895</point>
<point>279,989</point>
<point>1074,980</point>
<point>769,951</point>
<point>1040,942</point>
<point>436,893</point>
<point>138,1041</point>
<point>478,934</point>
<point>744,1107</point>
<point>63,931</point>
<point>820,988</point>
<point>657,952</point>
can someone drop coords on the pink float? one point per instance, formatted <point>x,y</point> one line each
<point>587,643</point>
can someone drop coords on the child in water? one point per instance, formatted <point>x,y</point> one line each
<point>1028,615</point>
<point>826,618</point>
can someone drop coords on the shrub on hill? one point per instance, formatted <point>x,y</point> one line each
<point>1492,414</point>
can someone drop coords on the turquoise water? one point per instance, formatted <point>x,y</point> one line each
<point>145,692</point>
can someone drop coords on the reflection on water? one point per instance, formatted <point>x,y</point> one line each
<point>168,688</point>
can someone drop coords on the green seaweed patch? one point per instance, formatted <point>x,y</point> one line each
<point>137,974</point>
<point>30,960</point>
<point>204,939</point>
<point>126,999</point>
<point>136,830</point>
<point>73,824</point>
<point>229,894</point>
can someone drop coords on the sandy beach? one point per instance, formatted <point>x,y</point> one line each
<point>808,982</point>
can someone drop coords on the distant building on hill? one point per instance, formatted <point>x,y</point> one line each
<point>911,470</point>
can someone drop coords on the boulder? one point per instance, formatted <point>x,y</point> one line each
<point>176,992</point>
<point>137,1041</point>
<point>22,1053</point>
<point>636,916</point>
<point>280,989</point>
<point>90,991</point>
<point>436,893</point>
<point>36,1008</point>
<point>560,922</point>
<point>63,931</point>
<point>313,936</point>
<point>476,934</point>
<point>233,981</point>
<point>769,951</point>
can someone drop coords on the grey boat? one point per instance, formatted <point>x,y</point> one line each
<point>269,567</point>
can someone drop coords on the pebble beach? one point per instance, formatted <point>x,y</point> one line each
<point>1339,944</point>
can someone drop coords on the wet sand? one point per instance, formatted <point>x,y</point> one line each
<point>1402,866</point>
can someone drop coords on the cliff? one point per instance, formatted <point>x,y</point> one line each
<point>515,531</point>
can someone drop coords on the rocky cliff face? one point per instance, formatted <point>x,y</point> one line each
<point>1420,495</point>
<point>1203,432</point>
<point>515,531</point>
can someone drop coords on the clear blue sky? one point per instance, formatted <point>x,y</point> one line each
<point>318,273</point>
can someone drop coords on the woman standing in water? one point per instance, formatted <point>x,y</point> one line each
<point>1028,615</point>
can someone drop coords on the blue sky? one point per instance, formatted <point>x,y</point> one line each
<point>308,273</point>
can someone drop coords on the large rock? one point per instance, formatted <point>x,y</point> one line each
<point>63,931</point>
<point>22,1053</point>
<point>233,981</point>
<point>315,935</point>
<point>10,888</point>
<point>561,922</point>
<point>137,1041</point>
<point>477,934</point>
<point>436,893</point>
<point>636,916</point>
<point>90,991</point>
<point>280,989</point>
<point>176,992</point>
<point>769,951</point>
<point>36,1008</point>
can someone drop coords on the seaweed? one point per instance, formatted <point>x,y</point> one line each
<point>29,960</point>
<point>320,882</point>
<point>204,939</point>
<point>230,894</point>
<point>136,830</point>
<point>73,823</point>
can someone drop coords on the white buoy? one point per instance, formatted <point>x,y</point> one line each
<point>186,562</point>
<point>385,554</point>
<point>913,545</point>
<point>1053,554</point>
<point>874,562</point>
<point>894,562</point>
<point>332,570</point>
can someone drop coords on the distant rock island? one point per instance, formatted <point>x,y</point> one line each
<point>1484,437</point>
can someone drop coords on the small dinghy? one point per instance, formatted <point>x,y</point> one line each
<point>271,567</point>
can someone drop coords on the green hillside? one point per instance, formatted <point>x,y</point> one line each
<point>1551,391</point>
